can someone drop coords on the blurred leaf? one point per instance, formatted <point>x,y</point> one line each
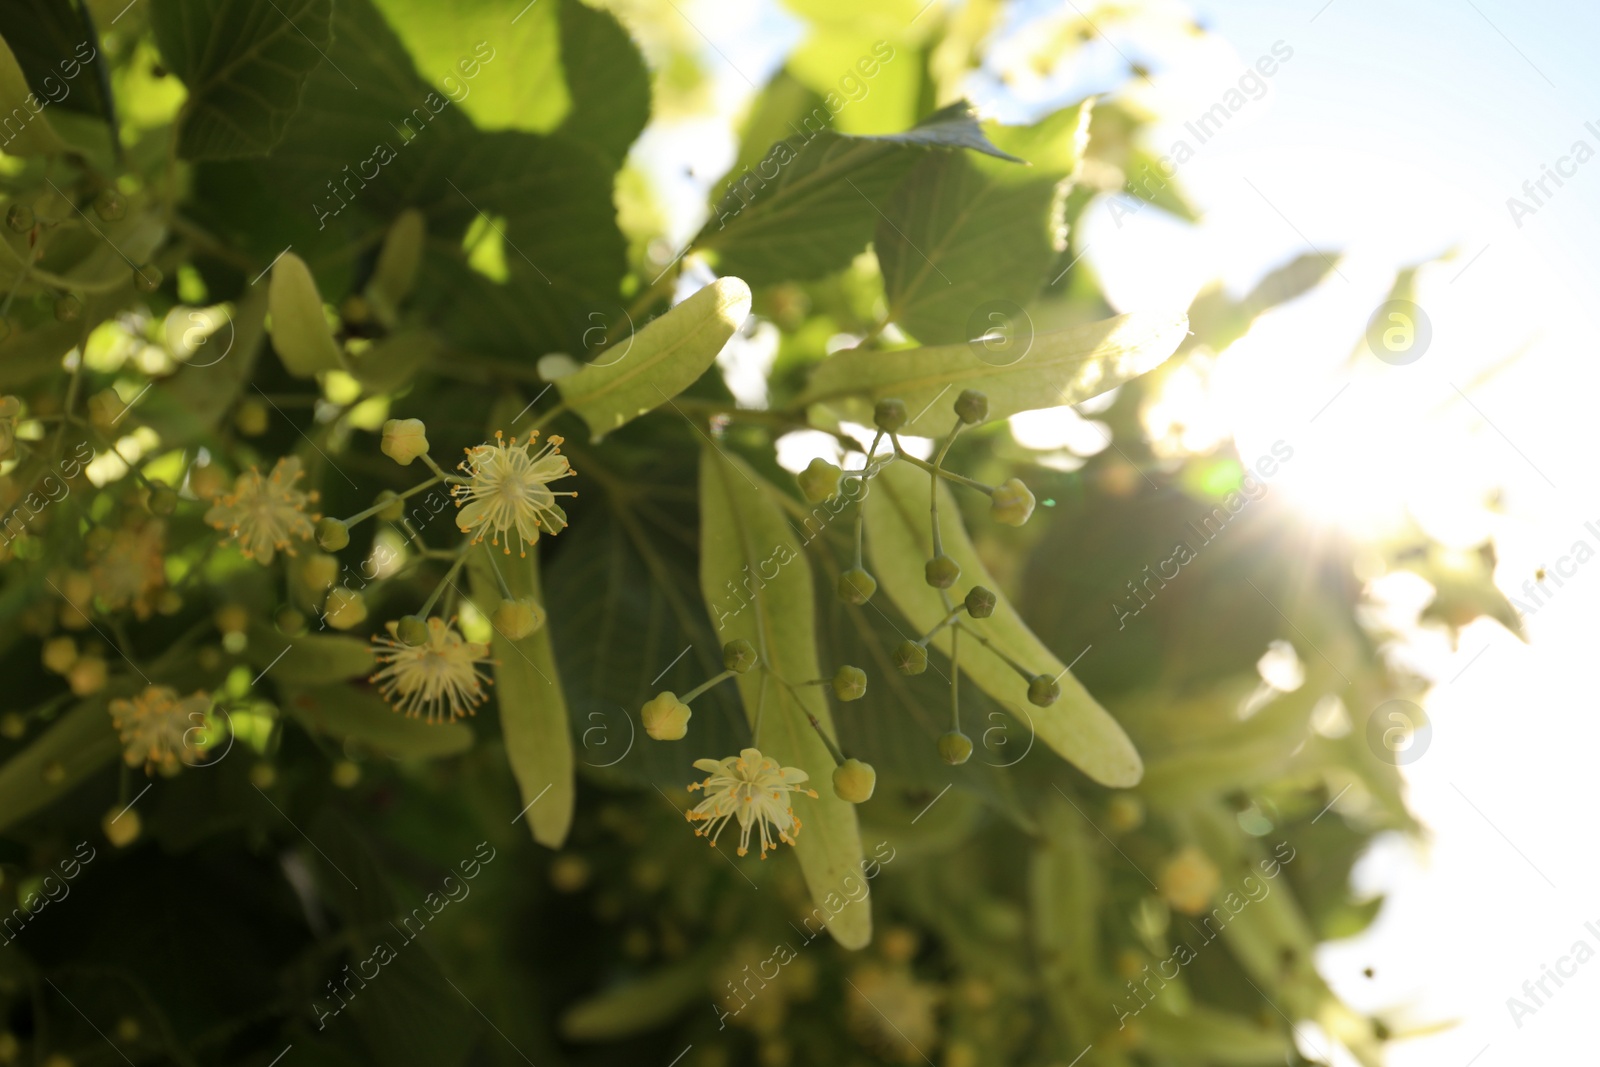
<point>245,63</point>
<point>533,709</point>
<point>962,231</point>
<point>300,333</point>
<point>899,542</point>
<point>607,79</point>
<point>640,373</point>
<point>310,659</point>
<point>645,1003</point>
<point>1063,367</point>
<point>360,714</point>
<point>76,745</point>
<point>36,137</point>
<point>742,533</point>
<point>50,39</point>
<point>812,202</point>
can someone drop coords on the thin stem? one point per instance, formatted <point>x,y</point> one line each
<point>367,513</point>
<point>941,624</point>
<point>986,643</point>
<point>955,680</point>
<point>761,705</point>
<point>438,471</point>
<point>500,578</point>
<point>703,686</point>
<point>952,476</point>
<point>448,579</point>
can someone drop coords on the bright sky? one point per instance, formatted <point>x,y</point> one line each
<point>1395,132</point>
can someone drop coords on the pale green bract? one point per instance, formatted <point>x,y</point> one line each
<point>743,534</point>
<point>898,543</point>
<point>1059,367</point>
<point>642,372</point>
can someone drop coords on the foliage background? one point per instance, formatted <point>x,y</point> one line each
<point>612,949</point>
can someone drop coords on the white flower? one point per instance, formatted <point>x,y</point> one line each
<point>439,679</point>
<point>753,788</point>
<point>508,491</point>
<point>155,727</point>
<point>265,514</point>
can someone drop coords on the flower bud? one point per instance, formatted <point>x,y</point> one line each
<point>105,408</point>
<point>666,718</point>
<point>147,277</point>
<point>390,506</point>
<point>819,481</point>
<point>60,653</point>
<point>87,676</point>
<point>738,656</point>
<point>231,619</point>
<point>1189,880</point>
<point>554,366</point>
<point>518,618</point>
<point>889,415</point>
<point>910,658</point>
<point>251,417</point>
<point>163,499</point>
<point>955,748</point>
<point>207,481</point>
<point>12,727</point>
<point>318,571</point>
<point>412,630</point>
<point>854,781</point>
<point>1125,812</point>
<point>121,826</point>
<point>68,308</point>
<point>1043,690</point>
<point>856,586</point>
<point>19,217</point>
<point>972,406</point>
<point>404,440</point>
<point>941,572</point>
<point>1012,503</point>
<point>980,602</point>
<point>849,683</point>
<point>333,534</point>
<point>109,205</point>
<point>345,609</point>
<point>345,774</point>
<point>291,623</point>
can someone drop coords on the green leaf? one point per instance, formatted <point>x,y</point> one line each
<point>533,710</point>
<point>899,541</point>
<point>505,75</point>
<point>245,63</point>
<point>812,202</point>
<point>742,535</point>
<point>645,1003</point>
<point>394,361</point>
<point>963,232</point>
<point>79,743</point>
<point>360,714</point>
<point>642,372</point>
<point>36,137</point>
<point>50,40</point>
<point>1060,367</point>
<point>607,79</point>
<point>300,333</point>
<point>310,659</point>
